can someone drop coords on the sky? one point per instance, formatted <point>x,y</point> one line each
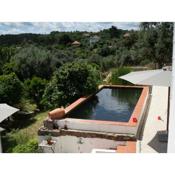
<point>47,27</point>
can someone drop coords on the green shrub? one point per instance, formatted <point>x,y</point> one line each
<point>19,137</point>
<point>16,141</point>
<point>8,67</point>
<point>35,88</point>
<point>116,73</point>
<point>10,89</point>
<point>70,82</point>
<point>30,147</point>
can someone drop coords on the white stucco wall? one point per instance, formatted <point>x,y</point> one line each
<point>97,127</point>
<point>73,144</point>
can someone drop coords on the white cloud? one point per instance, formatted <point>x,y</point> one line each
<point>47,27</point>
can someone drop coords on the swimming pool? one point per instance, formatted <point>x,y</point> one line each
<point>109,104</point>
<point>113,109</point>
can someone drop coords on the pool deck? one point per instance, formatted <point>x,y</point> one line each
<point>158,107</point>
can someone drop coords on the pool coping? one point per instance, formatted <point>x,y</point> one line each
<point>137,113</point>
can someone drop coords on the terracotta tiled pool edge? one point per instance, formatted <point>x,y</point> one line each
<point>76,103</point>
<point>139,106</point>
<point>130,147</point>
<point>136,113</point>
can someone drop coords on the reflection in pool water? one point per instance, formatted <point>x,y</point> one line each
<point>110,104</point>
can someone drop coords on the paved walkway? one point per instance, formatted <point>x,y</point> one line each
<point>158,107</point>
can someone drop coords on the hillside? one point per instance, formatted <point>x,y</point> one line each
<point>35,58</point>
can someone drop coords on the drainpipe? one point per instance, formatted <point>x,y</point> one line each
<point>171,133</point>
<point>168,110</point>
<point>0,143</point>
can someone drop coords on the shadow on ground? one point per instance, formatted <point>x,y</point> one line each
<point>17,121</point>
<point>159,142</point>
<point>11,126</point>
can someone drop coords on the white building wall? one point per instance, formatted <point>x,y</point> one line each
<point>97,127</point>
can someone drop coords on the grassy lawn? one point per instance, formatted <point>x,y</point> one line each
<point>25,139</point>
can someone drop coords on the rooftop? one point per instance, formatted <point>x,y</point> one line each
<point>76,43</point>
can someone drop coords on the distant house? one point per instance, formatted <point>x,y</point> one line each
<point>76,43</point>
<point>126,35</point>
<point>94,39</point>
<point>86,34</point>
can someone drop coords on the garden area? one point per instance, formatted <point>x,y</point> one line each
<point>24,140</point>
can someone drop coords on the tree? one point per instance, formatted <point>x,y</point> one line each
<point>5,55</point>
<point>8,68</point>
<point>130,40</point>
<point>116,73</point>
<point>114,32</point>
<point>65,39</point>
<point>10,89</point>
<point>106,51</point>
<point>35,88</point>
<point>157,41</point>
<point>163,45</point>
<point>34,61</point>
<point>70,82</point>
<point>148,25</point>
